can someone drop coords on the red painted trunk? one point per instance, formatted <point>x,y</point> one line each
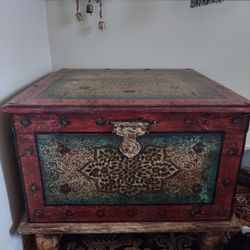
<point>76,166</point>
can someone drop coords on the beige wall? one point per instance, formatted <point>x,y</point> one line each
<point>156,33</point>
<point>24,57</point>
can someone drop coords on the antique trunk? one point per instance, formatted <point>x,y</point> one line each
<point>128,145</point>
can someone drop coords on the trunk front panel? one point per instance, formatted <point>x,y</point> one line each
<point>89,169</point>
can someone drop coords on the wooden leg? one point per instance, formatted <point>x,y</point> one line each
<point>211,241</point>
<point>47,242</point>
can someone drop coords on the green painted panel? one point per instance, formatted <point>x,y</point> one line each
<point>88,169</point>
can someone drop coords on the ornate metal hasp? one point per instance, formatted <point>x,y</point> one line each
<point>130,131</point>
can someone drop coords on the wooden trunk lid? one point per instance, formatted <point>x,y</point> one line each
<point>178,90</point>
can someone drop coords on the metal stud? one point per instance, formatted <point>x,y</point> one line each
<point>232,151</point>
<point>194,211</point>
<point>38,213</point>
<point>29,152</point>
<point>236,120</point>
<point>33,188</point>
<point>64,122</point>
<point>101,121</point>
<point>227,182</point>
<point>26,121</point>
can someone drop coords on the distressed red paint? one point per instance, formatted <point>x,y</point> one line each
<point>31,115</point>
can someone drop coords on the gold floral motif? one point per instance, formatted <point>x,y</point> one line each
<point>114,173</point>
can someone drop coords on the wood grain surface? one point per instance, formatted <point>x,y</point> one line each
<point>26,228</point>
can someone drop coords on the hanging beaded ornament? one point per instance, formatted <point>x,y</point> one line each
<point>90,8</point>
<point>78,14</point>
<point>101,23</point>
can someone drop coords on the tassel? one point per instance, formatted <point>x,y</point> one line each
<point>197,3</point>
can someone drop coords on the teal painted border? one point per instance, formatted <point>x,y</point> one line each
<point>79,141</point>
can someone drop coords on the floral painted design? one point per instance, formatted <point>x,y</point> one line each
<point>90,169</point>
<point>116,174</point>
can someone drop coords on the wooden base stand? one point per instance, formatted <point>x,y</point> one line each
<point>208,241</point>
<point>47,235</point>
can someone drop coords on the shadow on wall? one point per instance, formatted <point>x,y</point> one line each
<point>10,170</point>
